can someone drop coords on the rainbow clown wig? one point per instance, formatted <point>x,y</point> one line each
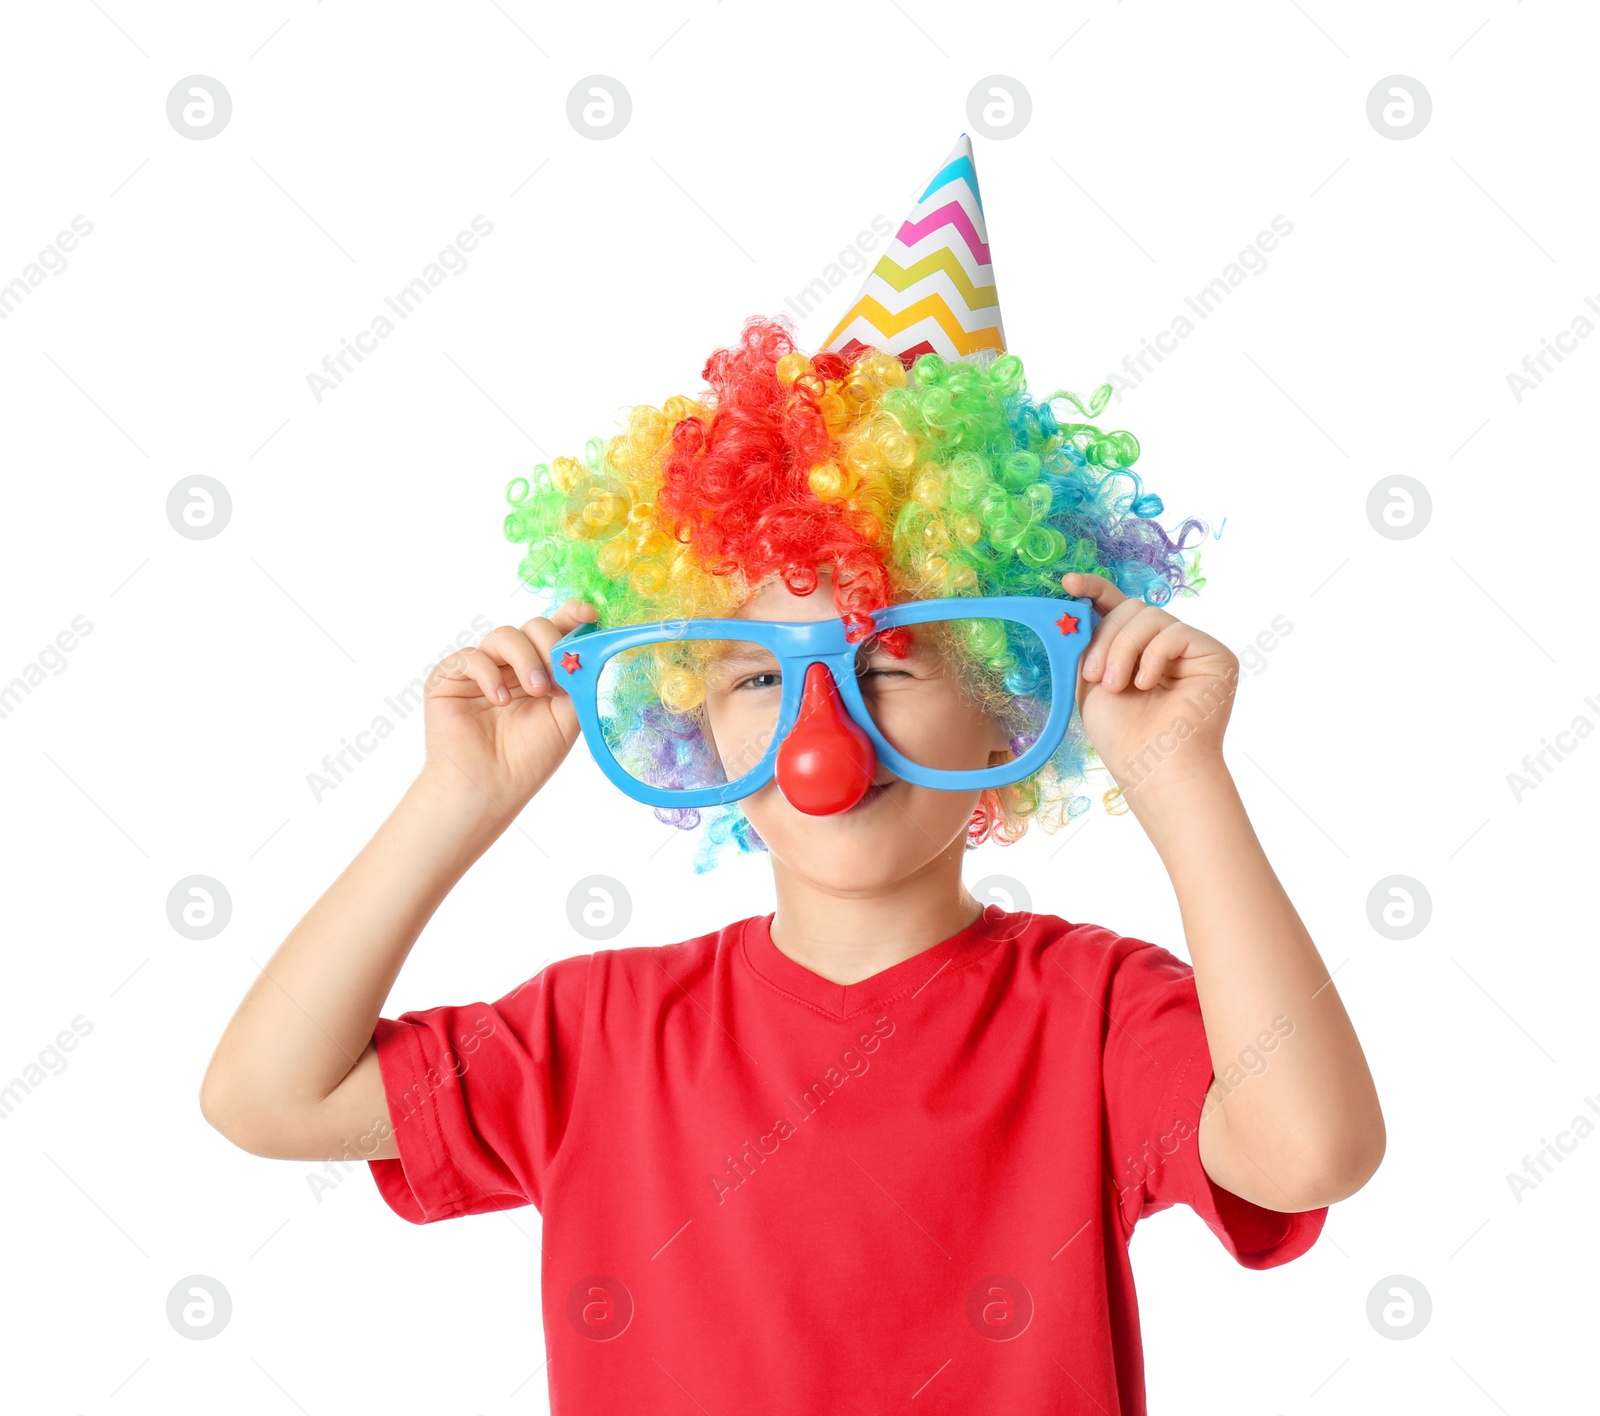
<point>913,463</point>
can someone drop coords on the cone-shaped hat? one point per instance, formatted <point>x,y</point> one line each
<point>933,290</point>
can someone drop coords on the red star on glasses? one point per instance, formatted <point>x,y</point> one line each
<point>1067,625</point>
<point>571,662</point>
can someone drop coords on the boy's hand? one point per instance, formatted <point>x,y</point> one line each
<point>1149,680</point>
<point>497,723</point>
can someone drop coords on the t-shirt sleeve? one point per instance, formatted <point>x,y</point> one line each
<point>1157,1072</point>
<point>480,1096</point>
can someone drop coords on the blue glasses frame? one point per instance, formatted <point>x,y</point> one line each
<point>1063,626</point>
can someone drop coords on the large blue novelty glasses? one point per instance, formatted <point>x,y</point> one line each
<point>700,712</point>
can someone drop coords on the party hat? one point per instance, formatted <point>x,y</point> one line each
<point>933,289</point>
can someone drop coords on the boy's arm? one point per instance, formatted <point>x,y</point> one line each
<point>1305,1129</point>
<point>1292,1121</point>
<point>296,1074</point>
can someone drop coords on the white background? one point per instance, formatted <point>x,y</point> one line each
<point>365,534</point>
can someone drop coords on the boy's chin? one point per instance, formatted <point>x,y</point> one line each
<point>836,869</point>
<point>869,848</point>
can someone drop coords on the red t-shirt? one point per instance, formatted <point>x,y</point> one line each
<point>765,1191</point>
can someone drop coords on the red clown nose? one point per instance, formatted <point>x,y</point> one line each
<point>826,763</point>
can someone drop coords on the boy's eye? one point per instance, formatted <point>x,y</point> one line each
<point>773,678</point>
<point>882,675</point>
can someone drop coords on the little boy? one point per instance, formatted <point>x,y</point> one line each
<point>882,1148</point>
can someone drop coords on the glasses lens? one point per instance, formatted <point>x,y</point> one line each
<point>936,690</point>
<point>681,714</point>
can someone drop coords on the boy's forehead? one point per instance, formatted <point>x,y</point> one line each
<point>774,600</point>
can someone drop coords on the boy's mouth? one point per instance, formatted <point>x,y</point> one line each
<point>872,793</point>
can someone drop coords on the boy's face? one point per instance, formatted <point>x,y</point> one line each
<point>917,703</point>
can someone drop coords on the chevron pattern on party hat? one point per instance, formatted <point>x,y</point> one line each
<point>933,290</point>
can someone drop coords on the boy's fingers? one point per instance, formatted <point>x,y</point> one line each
<point>543,633</point>
<point>1167,645</point>
<point>1105,634</point>
<point>569,616</point>
<point>1095,588</point>
<point>508,645</point>
<point>468,673</point>
<point>1122,655</point>
<point>545,630</point>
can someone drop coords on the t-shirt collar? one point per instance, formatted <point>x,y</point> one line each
<point>909,976</point>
